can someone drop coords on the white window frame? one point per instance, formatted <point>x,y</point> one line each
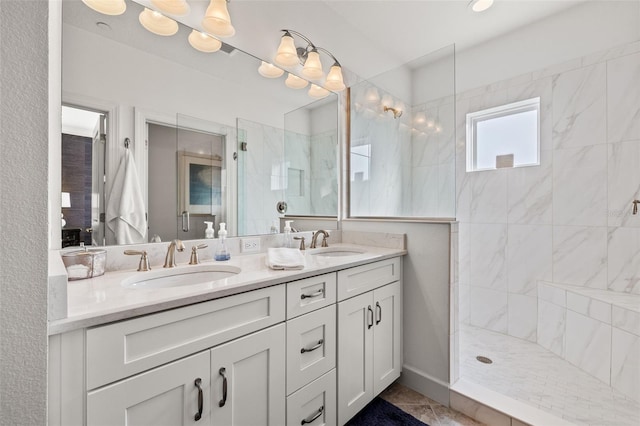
<point>474,118</point>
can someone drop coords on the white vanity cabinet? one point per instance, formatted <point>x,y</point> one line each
<point>369,334</point>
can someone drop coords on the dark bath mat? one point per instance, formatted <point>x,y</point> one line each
<point>381,413</point>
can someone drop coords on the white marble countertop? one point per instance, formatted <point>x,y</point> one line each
<point>103,299</point>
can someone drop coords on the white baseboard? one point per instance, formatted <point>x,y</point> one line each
<point>425,384</point>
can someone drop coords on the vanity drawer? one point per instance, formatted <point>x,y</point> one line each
<point>128,347</point>
<point>358,280</point>
<point>310,294</point>
<point>311,347</point>
<point>318,398</point>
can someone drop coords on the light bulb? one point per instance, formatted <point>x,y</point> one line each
<point>204,42</point>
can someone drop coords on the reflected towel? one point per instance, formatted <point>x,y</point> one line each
<point>126,216</point>
<point>285,258</point>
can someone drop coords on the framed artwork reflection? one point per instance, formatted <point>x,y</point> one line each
<point>199,182</point>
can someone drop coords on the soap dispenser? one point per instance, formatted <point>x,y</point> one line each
<point>222,252</point>
<point>288,242</point>
<point>208,233</point>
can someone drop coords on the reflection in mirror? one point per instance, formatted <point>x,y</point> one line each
<point>141,80</point>
<point>402,141</point>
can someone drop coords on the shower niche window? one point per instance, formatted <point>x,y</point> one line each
<point>504,136</point>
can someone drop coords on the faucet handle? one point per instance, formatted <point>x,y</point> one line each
<point>193,260</point>
<point>324,240</point>
<point>302,247</point>
<point>144,259</point>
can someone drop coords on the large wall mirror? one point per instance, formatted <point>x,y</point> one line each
<point>209,139</point>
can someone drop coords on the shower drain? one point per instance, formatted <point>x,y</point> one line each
<point>484,359</point>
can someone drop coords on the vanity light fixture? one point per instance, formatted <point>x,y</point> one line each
<point>269,70</point>
<point>107,7</point>
<point>157,23</point>
<point>288,56</point>
<point>65,203</point>
<point>295,82</point>
<point>480,5</point>
<point>172,7</point>
<point>318,92</point>
<point>204,42</point>
<point>217,20</point>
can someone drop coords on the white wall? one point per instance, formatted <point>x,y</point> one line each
<point>23,209</point>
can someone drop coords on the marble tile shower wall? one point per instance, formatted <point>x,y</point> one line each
<point>297,164</point>
<point>324,174</point>
<point>567,221</point>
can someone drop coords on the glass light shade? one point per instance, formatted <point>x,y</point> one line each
<point>318,92</point>
<point>295,82</point>
<point>107,7</point>
<point>204,42</point>
<point>172,7</point>
<point>480,5</point>
<point>334,79</point>
<point>287,56</point>
<point>217,21</point>
<point>269,70</point>
<point>372,96</point>
<point>312,66</point>
<point>157,23</point>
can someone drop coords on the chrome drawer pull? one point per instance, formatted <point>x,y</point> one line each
<point>313,348</point>
<point>314,416</point>
<point>316,294</point>
<point>198,384</point>
<point>223,401</point>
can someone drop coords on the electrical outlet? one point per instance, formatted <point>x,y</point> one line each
<point>249,245</point>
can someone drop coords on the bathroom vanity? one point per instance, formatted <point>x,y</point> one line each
<point>312,346</point>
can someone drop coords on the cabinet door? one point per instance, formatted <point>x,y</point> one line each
<point>355,349</point>
<point>166,395</point>
<point>314,404</point>
<point>252,371</point>
<point>387,336</point>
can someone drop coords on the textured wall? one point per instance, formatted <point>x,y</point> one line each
<point>23,212</point>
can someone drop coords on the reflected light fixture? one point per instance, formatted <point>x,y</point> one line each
<point>157,23</point>
<point>65,203</point>
<point>217,20</point>
<point>288,55</point>
<point>269,70</point>
<point>295,82</point>
<point>480,5</point>
<point>318,92</point>
<point>172,7</point>
<point>204,42</point>
<point>107,7</point>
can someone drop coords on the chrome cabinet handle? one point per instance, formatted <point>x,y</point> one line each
<point>379,313</point>
<point>370,311</point>
<point>198,384</point>
<point>313,416</point>
<point>316,294</point>
<point>223,401</point>
<point>313,348</point>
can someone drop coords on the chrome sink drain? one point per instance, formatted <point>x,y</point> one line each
<point>484,359</point>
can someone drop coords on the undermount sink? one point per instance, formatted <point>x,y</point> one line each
<point>191,275</point>
<point>336,252</point>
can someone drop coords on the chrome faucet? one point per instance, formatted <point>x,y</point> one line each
<point>314,239</point>
<point>170,258</point>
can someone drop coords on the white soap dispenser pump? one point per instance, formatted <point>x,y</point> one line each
<point>222,252</point>
<point>208,233</point>
<point>288,242</point>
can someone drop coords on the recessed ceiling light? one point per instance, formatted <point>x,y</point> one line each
<point>480,5</point>
<point>103,26</point>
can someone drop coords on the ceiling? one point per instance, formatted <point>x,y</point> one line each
<point>370,37</point>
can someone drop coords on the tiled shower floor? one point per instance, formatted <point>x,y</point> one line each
<point>531,374</point>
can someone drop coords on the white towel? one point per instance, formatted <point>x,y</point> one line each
<point>126,216</point>
<point>285,258</point>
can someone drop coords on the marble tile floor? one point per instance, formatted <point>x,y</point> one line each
<point>424,408</point>
<point>529,373</point>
